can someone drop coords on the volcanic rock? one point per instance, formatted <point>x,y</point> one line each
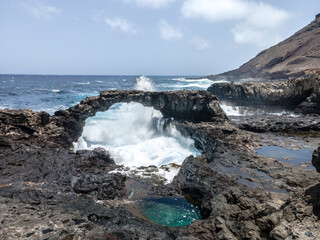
<point>316,159</point>
<point>287,94</point>
<point>297,56</point>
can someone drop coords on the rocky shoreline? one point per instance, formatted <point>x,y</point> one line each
<point>47,191</point>
<point>301,95</point>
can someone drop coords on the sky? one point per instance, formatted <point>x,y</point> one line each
<point>143,37</point>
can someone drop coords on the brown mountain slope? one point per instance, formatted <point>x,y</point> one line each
<point>297,56</point>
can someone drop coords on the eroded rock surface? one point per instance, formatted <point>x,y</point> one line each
<point>275,123</point>
<point>316,159</point>
<point>181,105</point>
<point>49,191</point>
<point>289,94</point>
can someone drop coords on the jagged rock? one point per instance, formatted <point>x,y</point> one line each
<point>200,182</point>
<point>316,159</point>
<point>48,191</point>
<point>311,105</point>
<point>105,186</point>
<point>97,158</point>
<point>287,94</point>
<point>274,123</point>
<point>180,105</point>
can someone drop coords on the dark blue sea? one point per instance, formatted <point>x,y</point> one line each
<point>51,92</point>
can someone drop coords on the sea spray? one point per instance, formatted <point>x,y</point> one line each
<point>137,136</point>
<point>144,84</point>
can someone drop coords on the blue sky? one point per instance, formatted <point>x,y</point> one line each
<point>136,37</point>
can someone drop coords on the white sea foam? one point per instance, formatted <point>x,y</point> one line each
<point>134,136</point>
<point>82,83</point>
<point>231,110</point>
<point>99,81</point>
<point>247,111</point>
<point>144,84</point>
<point>183,83</point>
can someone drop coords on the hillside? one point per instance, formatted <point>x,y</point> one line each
<point>297,56</point>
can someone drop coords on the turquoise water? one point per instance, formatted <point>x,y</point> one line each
<point>169,211</point>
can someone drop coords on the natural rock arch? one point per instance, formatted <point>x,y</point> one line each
<point>181,105</point>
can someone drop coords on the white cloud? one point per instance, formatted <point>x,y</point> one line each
<point>150,3</point>
<point>244,34</point>
<point>256,22</point>
<point>200,43</point>
<point>40,10</point>
<point>121,23</point>
<point>214,10</point>
<point>168,32</point>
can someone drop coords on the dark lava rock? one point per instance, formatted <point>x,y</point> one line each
<point>49,192</point>
<point>316,159</point>
<point>200,182</point>
<point>107,186</point>
<point>287,94</point>
<point>274,123</point>
<point>180,105</point>
<point>311,105</point>
<point>97,158</point>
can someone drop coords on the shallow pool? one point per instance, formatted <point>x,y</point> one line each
<point>295,157</point>
<point>170,211</point>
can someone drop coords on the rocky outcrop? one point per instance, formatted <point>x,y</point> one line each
<point>280,124</point>
<point>287,94</point>
<point>297,56</point>
<point>312,104</point>
<point>316,159</point>
<point>49,191</point>
<point>180,105</point>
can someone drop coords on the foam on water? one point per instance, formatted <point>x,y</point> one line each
<point>249,111</point>
<point>135,136</point>
<point>231,110</point>
<point>189,83</point>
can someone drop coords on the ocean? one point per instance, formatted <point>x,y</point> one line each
<point>134,135</point>
<point>51,93</point>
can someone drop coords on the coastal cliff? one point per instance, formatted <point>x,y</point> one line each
<point>297,56</point>
<point>300,94</point>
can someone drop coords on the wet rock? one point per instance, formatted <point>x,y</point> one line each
<point>48,191</point>
<point>287,94</point>
<point>181,105</point>
<point>97,158</point>
<point>106,186</point>
<point>316,159</point>
<point>273,123</point>
<point>311,105</point>
<point>200,182</point>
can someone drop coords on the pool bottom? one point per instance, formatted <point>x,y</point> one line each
<point>169,211</point>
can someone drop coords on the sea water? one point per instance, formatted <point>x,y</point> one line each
<point>169,211</point>
<point>54,92</point>
<point>132,133</point>
<point>135,136</point>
